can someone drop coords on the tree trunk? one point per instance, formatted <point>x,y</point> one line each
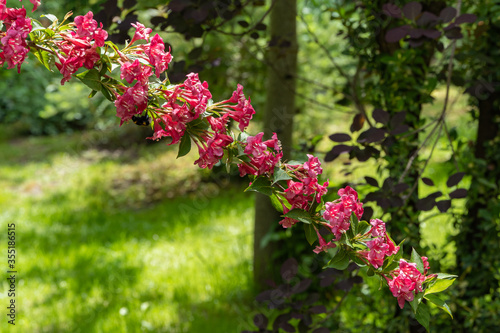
<point>278,118</point>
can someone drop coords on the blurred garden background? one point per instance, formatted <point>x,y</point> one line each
<point>115,234</point>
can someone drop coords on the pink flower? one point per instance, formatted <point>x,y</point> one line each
<point>381,246</point>
<point>157,56</point>
<point>313,166</point>
<point>133,101</point>
<point>288,222</point>
<point>14,50</point>
<point>35,3</point>
<point>212,152</point>
<point>85,25</point>
<point>323,245</point>
<point>135,71</point>
<point>100,36</point>
<point>406,281</point>
<point>141,32</point>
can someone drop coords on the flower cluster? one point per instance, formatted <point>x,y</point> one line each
<point>78,46</point>
<point>305,189</point>
<point>185,113</point>
<point>263,155</point>
<point>381,246</point>
<point>14,48</point>
<point>338,212</point>
<point>407,281</point>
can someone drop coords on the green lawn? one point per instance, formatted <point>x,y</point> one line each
<point>112,242</point>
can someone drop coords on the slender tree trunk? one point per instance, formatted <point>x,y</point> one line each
<point>278,118</point>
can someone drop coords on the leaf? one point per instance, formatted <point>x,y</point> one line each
<point>447,14</point>
<point>398,118</point>
<point>394,35</point>
<point>357,122</point>
<point>107,93</point>
<point>416,301</point>
<point>260,320</point>
<point>466,18</point>
<point>363,227</point>
<point>458,193</point>
<point>381,116</point>
<point>91,79</point>
<point>354,223</point>
<point>45,59</point>
<point>340,137</point>
<point>372,135</point>
<point>244,24</point>
<point>443,205</point>
<point>439,286</point>
<point>391,10</point>
<point>412,9</point>
<point>455,179</point>
<point>423,315</point>
<point>445,276</point>
<point>184,146</point>
<point>262,185</point>
<point>50,17</point>
<point>300,214</point>
<point>340,261</point>
<point>427,181</point>
<point>289,269</point>
<point>276,203</point>
<point>434,299</point>
<point>280,174</point>
<point>371,181</point>
<point>415,257</point>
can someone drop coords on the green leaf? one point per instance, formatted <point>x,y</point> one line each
<point>50,17</point>
<point>364,227</point>
<point>92,93</point>
<point>294,162</point>
<point>262,185</point>
<point>107,93</point>
<point>310,233</point>
<point>280,174</point>
<point>340,260</point>
<point>276,203</point>
<point>423,315</point>
<point>356,259</point>
<point>300,214</point>
<point>438,286</point>
<point>91,79</point>
<point>416,301</point>
<point>184,146</point>
<point>354,223</point>
<point>439,303</point>
<point>45,59</point>
<point>415,257</point>
<point>444,276</point>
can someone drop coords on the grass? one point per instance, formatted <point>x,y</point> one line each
<point>97,252</point>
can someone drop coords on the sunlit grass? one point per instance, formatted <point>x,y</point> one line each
<point>90,261</point>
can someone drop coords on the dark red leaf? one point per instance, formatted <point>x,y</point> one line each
<point>401,187</point>
<point>416,33</point>
<point>398,118</point>
<point>339,149</point>
<point>431,33</point>
<point>289,269</point>
<point>447,14</point>
<point>454,33</point>
<point>443,205</point>
<point>371,181</point>
<point>466,18</point>
<point>425,204</point>
<point>261,27</point>
<point>301,286</point>
<point>458,193</point>
<point>427,19</point>
<point>345,285</point>
<point>391,10</point>
<point>331,156</point>
<point>427,181</point>
<point>396,34</point>
<point>357,122</point>
<point>455,179</point>
<point>381,116</point>
<point>400,129</point>
<point>372,135</point>
<point>356,279</point>
<point>260,321</point>
<point>367,213</point>
<point>340,137</point>
<point>244,24</point>
<point>412,9</point>
<point>435,195</point>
